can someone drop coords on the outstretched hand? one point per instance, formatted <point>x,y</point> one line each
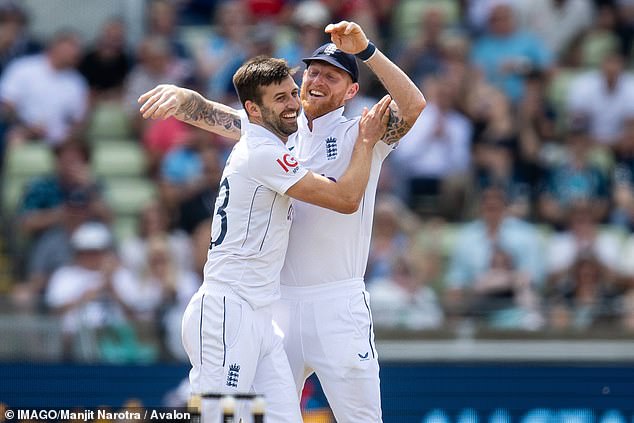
<point>347,36</point>
<point>373,122</point>
<point>162,101</point>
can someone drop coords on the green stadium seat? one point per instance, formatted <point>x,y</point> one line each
<point>108,121</point>
<point>125,227</point>
<point>409,13</point>
<point>595,46</point>
<point>128,196</point>
<point>32,159</point>
<point>118,159</point>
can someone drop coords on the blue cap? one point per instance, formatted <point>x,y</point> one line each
<point>329,53</point>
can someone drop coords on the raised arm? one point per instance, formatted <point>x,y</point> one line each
<point>190,107</point>
<point>345,195</point>
<point>408,102</point>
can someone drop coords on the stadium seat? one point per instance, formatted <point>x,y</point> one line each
<point>409,13</point>
<point>32,159</point>
<point>127,196</point>
<point>125,227</point>
<point>108,121</point>
<point>118,159</point>
<point>595,46</point>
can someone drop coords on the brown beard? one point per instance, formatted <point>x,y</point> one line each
<point>316,109</point>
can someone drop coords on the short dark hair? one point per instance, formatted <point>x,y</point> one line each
<point>261,71</point>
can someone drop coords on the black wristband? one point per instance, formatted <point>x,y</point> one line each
<point>367,53</point>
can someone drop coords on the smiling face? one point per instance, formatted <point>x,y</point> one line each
<point>325,88</point>
<point>278,108</point>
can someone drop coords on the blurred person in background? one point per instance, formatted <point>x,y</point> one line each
<point>392,232</point>
<point>577,178</point>
<point>15,39</point>
<point>436,162</point>
<point>584,297</point>
<point>106,64</point>
<point>160,294</point>
<point>474,257</point>
<point>181,173</point>
<point>622,210</point>
<point>606,97</point>
<point>404,299</point>
<point>162,23</point>
<point>557,22</point>
<point>582,236</point>
<point>42,206</point>
<point>52,249</point>
<point>507,54</point>
<point>43,96</point>
<point>224,51</point>
<point>424,55</point>
<point>156,64</point>
<point>86,293</point>
<point>154,224</point>
<point>308,22</point>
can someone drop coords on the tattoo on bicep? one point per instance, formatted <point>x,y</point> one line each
<point>197,109</point>
<point>396,127</point>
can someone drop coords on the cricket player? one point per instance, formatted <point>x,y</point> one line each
<point>228,332</point>
<point>324,310</point>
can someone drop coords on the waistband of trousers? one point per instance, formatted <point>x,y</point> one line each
<point>323,290</point>
<point>220,289</point>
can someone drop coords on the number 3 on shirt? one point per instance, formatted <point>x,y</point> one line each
<point>223,214</point>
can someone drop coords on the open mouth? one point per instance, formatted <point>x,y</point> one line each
<point>316,93</point>
<point>292,116</point>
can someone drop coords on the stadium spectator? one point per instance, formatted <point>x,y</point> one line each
<point>52,249</point>
<point>609,88</point>
<point>436,161</point>
<point>557,22</point>
<point>156,65</point>
<point>154,224</point>
<point>15,39</point>
<point>224,51</point>
<point>87,292</point>
<point>582,238</point>
<point>162,23</point>
<point>506,54</point>
<point>622,210</point>
<point>106,64</point>
<point>584,297</point>
<point>43,96</point>
<point>162,293</point>
<point>404,299</point>
<point>577,178</point>
<point>42,204</point>
<point>475,249</point>
<point>392,231</point>
<point>424,55</point>
<point>307,22</point>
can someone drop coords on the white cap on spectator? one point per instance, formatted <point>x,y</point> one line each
<point>311,12</point>
<point>91,236</point>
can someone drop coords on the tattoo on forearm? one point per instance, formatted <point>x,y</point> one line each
<point>396,128</point>
<point>197,109</point>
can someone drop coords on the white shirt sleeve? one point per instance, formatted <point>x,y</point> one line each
<point>275,167</point>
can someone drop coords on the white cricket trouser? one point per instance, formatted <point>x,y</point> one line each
<point>328,330</point>
<point>236,349</point>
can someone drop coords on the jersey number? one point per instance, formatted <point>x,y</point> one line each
<point>223,214</point>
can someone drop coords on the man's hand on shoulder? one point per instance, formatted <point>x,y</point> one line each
<point>348,36</point>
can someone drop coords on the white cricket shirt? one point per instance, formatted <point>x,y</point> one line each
<point>252,217</point>
<point>326,246</point>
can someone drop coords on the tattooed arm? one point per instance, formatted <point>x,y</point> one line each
<point>408,102</point>
<point>190,107</point>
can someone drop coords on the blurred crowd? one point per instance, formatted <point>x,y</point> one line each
<point>511,205</point>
